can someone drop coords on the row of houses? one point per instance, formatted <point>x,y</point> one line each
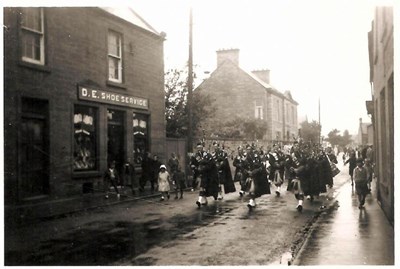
<point>84,86</point>
<point>381,105</point>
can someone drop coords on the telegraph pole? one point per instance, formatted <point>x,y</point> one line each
<point>319,121</point>
<point>190,85</point>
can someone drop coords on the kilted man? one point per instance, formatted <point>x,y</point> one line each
<point>256,182</point>
<point>277,168</point>
<point>297,168</point>
<point>224,173</point>
<point>207,175</point>
<point>240,172</point>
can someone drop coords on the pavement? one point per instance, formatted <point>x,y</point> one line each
<point>52,209</point>
<point>348,235</point>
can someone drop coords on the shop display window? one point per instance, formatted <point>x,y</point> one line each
<point>140,136</point>
<point>85,146</point>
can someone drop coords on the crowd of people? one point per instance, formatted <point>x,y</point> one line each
<point>308,170</point>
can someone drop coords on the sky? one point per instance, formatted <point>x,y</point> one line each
<point>317,50</point>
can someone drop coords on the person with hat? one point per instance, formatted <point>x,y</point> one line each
<point>163,182</point>
<point>277,168</point>
<point>297,168</point>
<point>256,179</point>
<point>360,176</point>
<point>206,168</point>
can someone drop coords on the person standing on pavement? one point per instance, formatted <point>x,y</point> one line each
<point>179,181</point>
<point>129,176</point>
<point>111,177</point>
<point>163,182</point>
<point>147,172</point>
<point>352,164</point>
<point>173,164</point>
<point>156,169</point>
<point>361,179</point>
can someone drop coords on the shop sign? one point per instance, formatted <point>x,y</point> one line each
<point>101,96</point>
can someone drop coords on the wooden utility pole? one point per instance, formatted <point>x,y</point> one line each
<point>190,85</point>
<point>319,121</point>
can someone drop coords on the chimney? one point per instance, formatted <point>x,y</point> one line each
<point>228,54</point>
<point>262,74</point>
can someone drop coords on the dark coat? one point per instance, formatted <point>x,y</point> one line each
<point>352,163</point>
<point>225,175</point>
<point>128,175</point>
<point>257,170</point>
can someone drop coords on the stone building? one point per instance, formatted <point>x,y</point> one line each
<point>238,94</point>
<point>84,86</point>
<point>381,107</point>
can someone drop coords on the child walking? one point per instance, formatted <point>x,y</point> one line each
<point>163,182</point>
<point>178,180</point>
<point>361,180</point>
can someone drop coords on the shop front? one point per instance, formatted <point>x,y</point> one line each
<point>108,127</point>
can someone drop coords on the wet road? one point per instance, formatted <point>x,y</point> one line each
<point>349,236</point>
<point>174,232</point>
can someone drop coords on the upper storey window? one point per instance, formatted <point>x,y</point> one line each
<point>32,31</point>
<point>114,57</point>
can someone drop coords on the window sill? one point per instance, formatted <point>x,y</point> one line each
<point>38,67</point>
<point>116,84</point>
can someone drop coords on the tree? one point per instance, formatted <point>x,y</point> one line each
<point>338,140</point>
<point>176,109</point>
<point>346,139</point>
<point>310,131</point>
<point>334,138</point>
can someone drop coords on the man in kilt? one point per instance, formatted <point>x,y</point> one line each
<point>297,167</point>
<point>207,174</point>
<point>256,181</point>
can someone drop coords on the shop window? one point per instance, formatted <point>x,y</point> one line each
<point>85,147</point>
<point>140,136</point>
<point>32,35</point>
<point>114,57</point>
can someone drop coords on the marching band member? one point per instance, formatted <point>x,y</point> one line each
<point>207,175</point>
<point>224,172</point>
<point>240,173</point>
<point>256,182</point>
<point>277,168</point>
<point>297,168</point>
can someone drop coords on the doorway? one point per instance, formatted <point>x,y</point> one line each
<point>115,138</point>
<point>34,149</point>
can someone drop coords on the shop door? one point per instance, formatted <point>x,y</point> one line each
<point>115,147</point>
<point>34,157</point>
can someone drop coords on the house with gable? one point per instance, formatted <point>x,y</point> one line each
<point>238,94</point>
